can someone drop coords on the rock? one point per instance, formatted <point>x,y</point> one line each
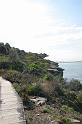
<point>38,114</point>
<point>75,121</point>
<point>39,100</point>
<point>54,122</point>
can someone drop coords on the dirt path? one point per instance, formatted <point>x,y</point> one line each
<point>11,107</point>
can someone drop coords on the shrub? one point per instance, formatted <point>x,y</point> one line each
<point>46,110</point>
<point>12,65</point>
<point>67,109</point>
<point>66,121</point>
<point>48,77</point>
<point>35,89</point>
<point>75,85</point>
<point>12,75</point>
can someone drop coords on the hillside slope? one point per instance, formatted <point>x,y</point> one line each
<point>34,76</point>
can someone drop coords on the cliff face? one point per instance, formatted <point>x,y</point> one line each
<point>55,69</point>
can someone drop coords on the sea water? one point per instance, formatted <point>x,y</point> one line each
<point>72,70</point>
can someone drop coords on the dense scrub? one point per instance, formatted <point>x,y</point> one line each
<point>32,75</point>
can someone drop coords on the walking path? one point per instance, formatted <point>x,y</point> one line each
<point>11,106</point>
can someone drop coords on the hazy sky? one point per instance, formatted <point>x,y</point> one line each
<point>50,26</point>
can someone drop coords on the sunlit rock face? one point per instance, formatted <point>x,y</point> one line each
<point>11,107</point>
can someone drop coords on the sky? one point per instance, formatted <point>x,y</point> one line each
<point>53,27</point>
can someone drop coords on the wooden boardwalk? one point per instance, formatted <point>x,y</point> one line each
<point>11,106</point>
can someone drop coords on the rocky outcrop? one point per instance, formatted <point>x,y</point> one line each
<point>55,69</point>
<point>38,100</point>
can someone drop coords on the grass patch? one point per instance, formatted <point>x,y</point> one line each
<point>4,58</point>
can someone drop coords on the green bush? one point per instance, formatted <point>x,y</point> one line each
<point>48,77</point>
<point>46,110</point>
<point>12,76</point>
<point>75,85</point>
<point>35,89</point>
<point>66,109</point>
<point>66,121</point>
<point>18,66</point>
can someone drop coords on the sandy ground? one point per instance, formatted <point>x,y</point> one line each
<point>11,107</point>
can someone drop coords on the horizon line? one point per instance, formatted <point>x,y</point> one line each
<point>69,61</point>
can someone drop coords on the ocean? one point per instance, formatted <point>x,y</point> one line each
<point>72,70</point>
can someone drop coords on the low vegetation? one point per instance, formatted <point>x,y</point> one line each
<point>32,75</point>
